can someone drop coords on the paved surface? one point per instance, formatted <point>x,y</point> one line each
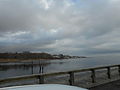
<point>109,86</point>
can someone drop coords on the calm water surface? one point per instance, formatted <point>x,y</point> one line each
<point>48,66</point>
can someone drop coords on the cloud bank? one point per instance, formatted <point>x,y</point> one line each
<point>78,27</point>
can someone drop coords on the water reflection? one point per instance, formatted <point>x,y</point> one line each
<point>48,66</point>
<point>24,68</point>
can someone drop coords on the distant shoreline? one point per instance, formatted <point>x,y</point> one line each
<point>28,56</point>
<point>21,60</point>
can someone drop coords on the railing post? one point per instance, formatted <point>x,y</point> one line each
<point>119,69</point>
<point>93,75</point>
<point>108,73</point>
<point>32,68</point>
<point>71,80</point>
<point>41,79</point>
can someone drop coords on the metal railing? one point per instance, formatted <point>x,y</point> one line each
<point>70,73</point>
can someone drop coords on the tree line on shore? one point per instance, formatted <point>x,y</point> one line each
<point>29,55</point>
<point>25,55</point>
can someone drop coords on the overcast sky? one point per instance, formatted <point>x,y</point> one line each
<point>76,27</point>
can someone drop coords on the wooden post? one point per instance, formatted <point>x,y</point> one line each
<point>41,79</point>
<point>119,69</point>
<point>93,75</point>
<point>71,80</point>
<point>108,73</point>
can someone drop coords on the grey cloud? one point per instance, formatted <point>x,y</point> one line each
<point>68,26</point>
